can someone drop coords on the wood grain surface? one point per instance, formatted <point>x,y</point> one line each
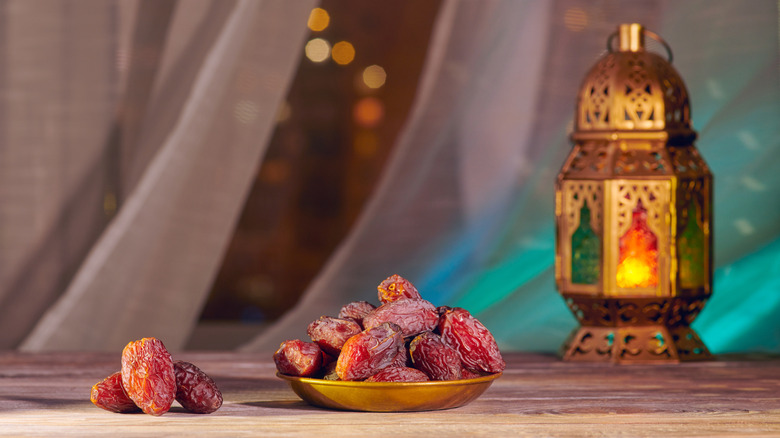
<point>48,395</point>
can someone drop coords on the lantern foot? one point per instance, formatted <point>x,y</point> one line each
<point>635,344</point>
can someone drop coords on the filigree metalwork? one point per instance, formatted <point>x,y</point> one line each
<point>636,330</point>
<point>687,161</point>
<point>633,162</point>
<point>633,91</point>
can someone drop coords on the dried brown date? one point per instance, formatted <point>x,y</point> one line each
<point>356,310</point>
<point>413,315</point>
<point>476,345</point>
<point>395,288</point>
<point>331,333</point>
<point>435,358</point>
<point>111,396</point>
<point>195,390</point>
<point>402,359</point>
<point>441,310</point>
<point>147,375</point>
<point>398,374</point>
<point>468,374</point>
<point>369,351</point>
<point>298,358</point>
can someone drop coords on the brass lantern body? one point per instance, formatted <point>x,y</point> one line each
<point>634,213</point>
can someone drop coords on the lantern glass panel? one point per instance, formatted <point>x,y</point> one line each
<point>638,265</point>
<point>585,251</point>
<point>691,249</point>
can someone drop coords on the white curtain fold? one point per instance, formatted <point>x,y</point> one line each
<point>210,81</point>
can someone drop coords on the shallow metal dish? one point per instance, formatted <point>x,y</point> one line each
<point>389,397</point>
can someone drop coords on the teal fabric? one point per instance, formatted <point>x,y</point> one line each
<point>501,267</point>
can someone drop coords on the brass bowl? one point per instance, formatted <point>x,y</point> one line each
<point>389,397</point>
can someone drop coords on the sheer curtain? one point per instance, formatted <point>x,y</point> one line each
<point>465,206</point>
<point>131,131</point>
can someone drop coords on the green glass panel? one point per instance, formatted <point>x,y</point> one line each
<point>690,247</point>
<point>585,251</point>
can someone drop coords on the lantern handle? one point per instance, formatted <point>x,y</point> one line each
<point>649,33</point>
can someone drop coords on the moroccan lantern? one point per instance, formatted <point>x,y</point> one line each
<point>633,211</point>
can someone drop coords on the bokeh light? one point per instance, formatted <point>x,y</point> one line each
<point>575,19</point>
<point>365,144</point>
<point>317,50</point>
<point>109,204</point>
<point>343,52</point>
<point>318,19</point>
<point>374,76</point>
<point>368,112</point>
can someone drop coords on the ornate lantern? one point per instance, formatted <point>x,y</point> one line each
<point>633,212</point>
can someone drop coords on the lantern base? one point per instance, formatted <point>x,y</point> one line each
<point>635,344</point>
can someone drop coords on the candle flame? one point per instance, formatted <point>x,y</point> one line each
<point>638,254</point>
<point>636,272</point>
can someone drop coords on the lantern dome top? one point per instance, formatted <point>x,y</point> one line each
<point>631,89</point>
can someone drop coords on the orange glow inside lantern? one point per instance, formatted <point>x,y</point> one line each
<point>638,266</point>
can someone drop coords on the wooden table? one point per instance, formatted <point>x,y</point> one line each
<point>48,395</point>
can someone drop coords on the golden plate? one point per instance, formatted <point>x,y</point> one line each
<point>389,397</point>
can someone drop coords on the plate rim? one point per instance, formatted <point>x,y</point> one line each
<point>364,384</point>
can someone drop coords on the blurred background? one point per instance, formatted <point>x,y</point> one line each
<point>333,135</point>
<point>218,173</point>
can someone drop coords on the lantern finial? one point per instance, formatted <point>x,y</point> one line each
<point>631,37</point>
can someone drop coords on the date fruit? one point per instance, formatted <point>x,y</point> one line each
<point>413,315</point>
<point>147,375</point>
<point>195,390</point>
<point>356,310</point>
<point>476,345</point>
<point>435,358</point>
<point>364,354</point>
<point>109,395</point>
<point>468,374</point>
<point>331,333</point>
<point>298,358</point>
<point>395,288</point>
<point>398,374</point>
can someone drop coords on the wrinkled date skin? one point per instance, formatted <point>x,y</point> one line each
<point>413,315</point>
<point>195,390</point>
<point>435,358</point>
<point>395,288</point>
<point>147,375</point>
<point>468,374</point>
<point>364,354</point>
<point>298,358</point>
<point>111,396</point>
<point>356,310</point>
<point>331,333</point>
<point>398,374</point>
<point>476,345</point>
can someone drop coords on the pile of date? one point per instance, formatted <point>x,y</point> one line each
<point>150,380</point>
<point>405,339</point>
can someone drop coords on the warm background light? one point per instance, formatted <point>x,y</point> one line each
<point>318,19</point>
<point>317,50</point>
<point>374,76</point>
<point>575,19</point>
<point>343,52</point>
<point>368,112</point>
